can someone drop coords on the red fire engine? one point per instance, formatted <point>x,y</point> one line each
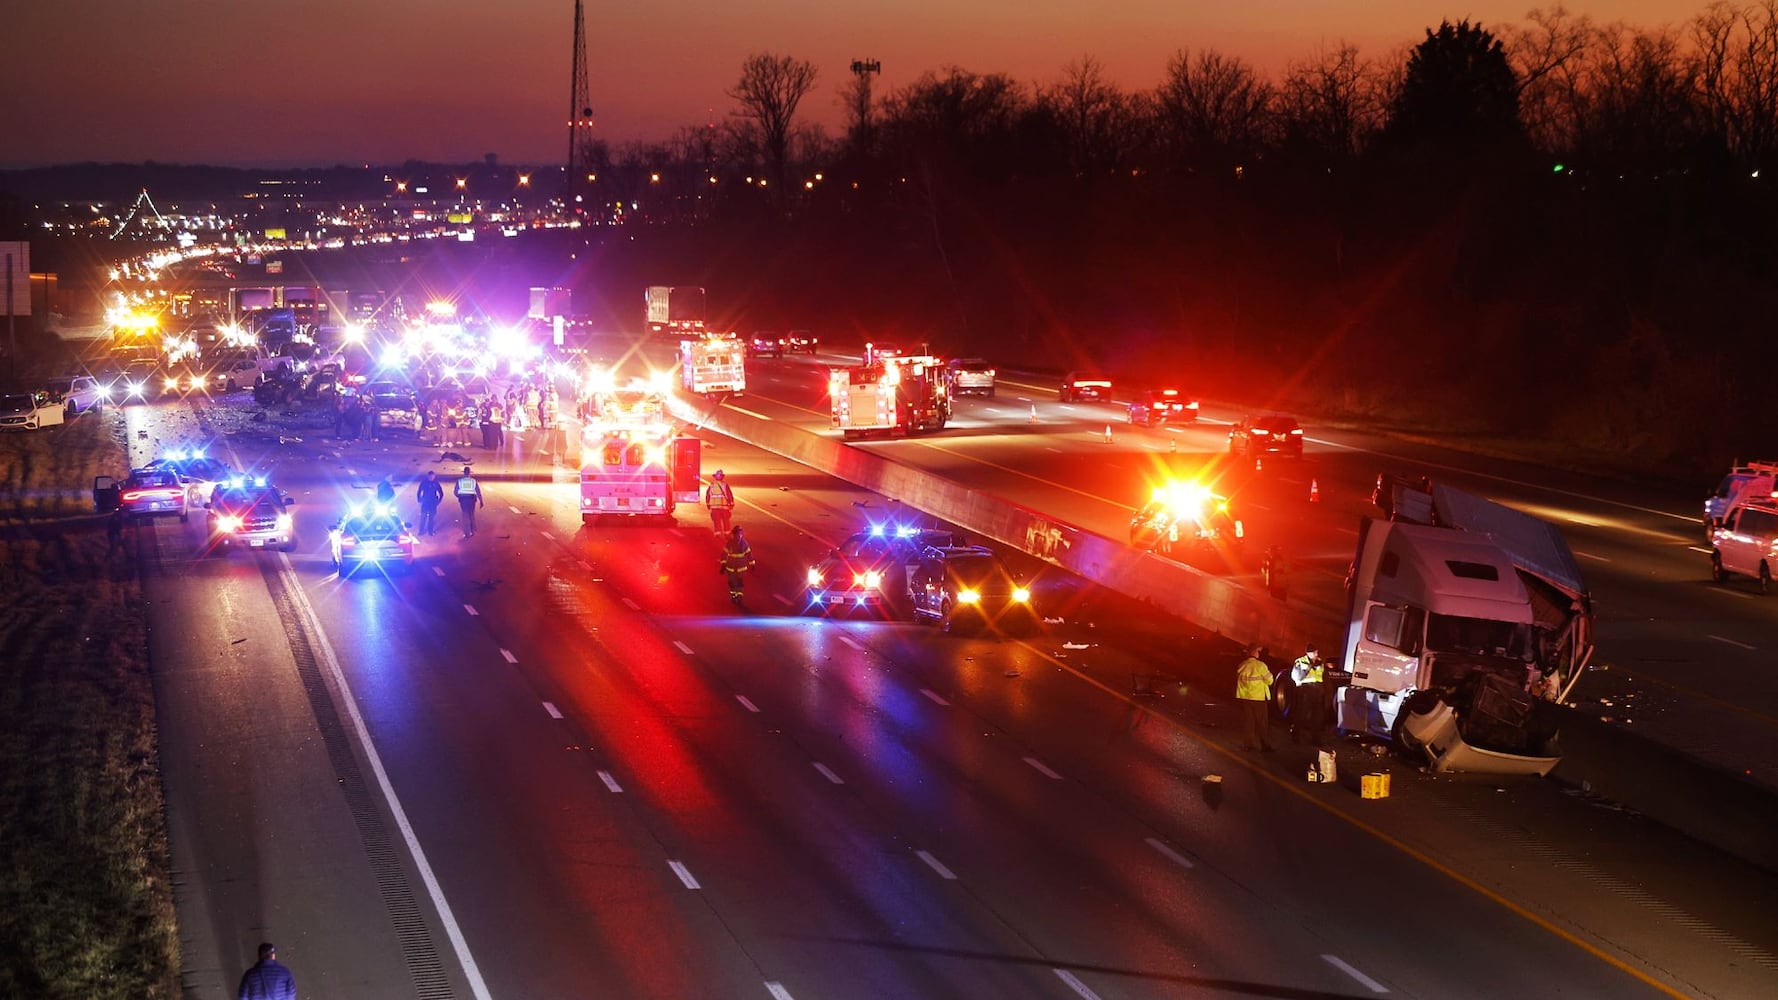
<point>891,394</point>
<point>632,463</point>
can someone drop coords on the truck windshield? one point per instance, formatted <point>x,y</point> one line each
<point>1477,636</point>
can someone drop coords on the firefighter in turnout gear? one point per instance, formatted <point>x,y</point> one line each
<point>720,498</point>
<point>737,560</point>
<point>1308,713</point>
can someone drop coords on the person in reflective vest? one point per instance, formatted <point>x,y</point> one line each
<point>469,497</point>
<point>721,501</point>
<point>1308,713</point>
<point>1253,692</point>
<point>737,559</point>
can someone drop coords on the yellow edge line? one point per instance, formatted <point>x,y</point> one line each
<point>1392,841</point>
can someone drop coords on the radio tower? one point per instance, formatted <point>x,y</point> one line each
<point>580,117</point>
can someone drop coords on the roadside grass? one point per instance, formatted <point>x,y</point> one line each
<point>86,903</point>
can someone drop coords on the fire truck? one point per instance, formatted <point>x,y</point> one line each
<point>713,364</point>
<point>900,394</point>
<point>632,462</point>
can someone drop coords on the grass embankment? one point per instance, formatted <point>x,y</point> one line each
<point>86,906</point>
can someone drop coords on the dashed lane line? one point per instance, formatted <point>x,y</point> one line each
<point>1170,854</point>
<point>934,697</point>
<point>682,647</point>
<point>1080,989</point>
<point>507,653</point>
<point>1357,977</point>
<point>747,704</point>
<point>611,782</point>
<point>1040,768</point>
<point>550,707</point>
<point>827,772</point>
<point>936,865</point>
<point>471,609</point>
<point>684,874</point>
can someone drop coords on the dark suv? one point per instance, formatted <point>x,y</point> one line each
<point>969,585</point>
<point>1272,434</point>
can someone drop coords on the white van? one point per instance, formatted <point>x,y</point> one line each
<point>1744,543</point>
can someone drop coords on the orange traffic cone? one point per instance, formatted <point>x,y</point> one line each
<point>1033,412</point>
<point>1314,491</point>
<point>1173,447</point>
<point>1107,433</point>
<point>1259,464</point>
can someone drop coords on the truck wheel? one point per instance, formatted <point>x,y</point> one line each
<point>1717,574</point>
<point>1765,578</point>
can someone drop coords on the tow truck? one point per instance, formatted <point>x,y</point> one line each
<point>890,394</point>
<point>633,463</point>
<point>713,363</point>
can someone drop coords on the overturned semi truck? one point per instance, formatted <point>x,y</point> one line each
<point>1468,623</point>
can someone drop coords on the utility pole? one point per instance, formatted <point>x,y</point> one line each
<point>580,119</point>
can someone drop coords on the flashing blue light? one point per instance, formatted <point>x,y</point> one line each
<point>907,531</point>
<point>876,531</point>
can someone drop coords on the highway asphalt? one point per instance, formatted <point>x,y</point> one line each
<point>553,761</point>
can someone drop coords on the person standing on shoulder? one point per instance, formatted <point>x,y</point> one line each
<point>1308,711</point>
<point>430,494</point>
<point>268,979</point>
<point>1253,692</point>
<point>721,501</point>
<point>469,497</point>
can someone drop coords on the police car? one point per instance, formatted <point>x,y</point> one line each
<point>250,513</point>
<point>868,567</point>
<point>370,534</point>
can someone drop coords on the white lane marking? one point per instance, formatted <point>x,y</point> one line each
<point>934,696</point>
<point>610,782</point>
<point>737,409</point>
<point>682,647</point>
<point>1080,989</point>
<point>515,510</point>
<point>936,865</point>
<point>748,705</point>
<point>438,571</point>
<point>632,605</point>
<point>471,609</point>
<point>684,874</point>
<point>1170,854</point>
<point>549,536</point>
<point>1731,642</point>
<point>1056,450</point>
<point>778,991</point>
<point>1041,769</point>
<point>781,599</point>
<point>1358,977</point>
<point>848,641</point>
<point>1699,550</point>
<point>1589,555</point>
<point>827,772</point>
<point>550,707</point>
<point>509,657</point>
<point>348,703</point>
<point>1736,593</point>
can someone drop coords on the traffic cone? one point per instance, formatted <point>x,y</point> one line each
<point>1107,433</point>
<point>1314,491</point>
<point>1259,464</point>
<point>1173,447</point>
<point>1033,412</point>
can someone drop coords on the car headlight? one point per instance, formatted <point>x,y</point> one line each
<point>1020,595</point>
<point>284,522</point>
<point>171,383</point>
<point>814,577</point>
<point>229,523</point>
<point>968,597</point>
<point>871,580</point>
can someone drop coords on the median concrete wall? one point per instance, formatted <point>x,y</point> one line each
<point>1241,613</point>
<point>1719,808</point>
